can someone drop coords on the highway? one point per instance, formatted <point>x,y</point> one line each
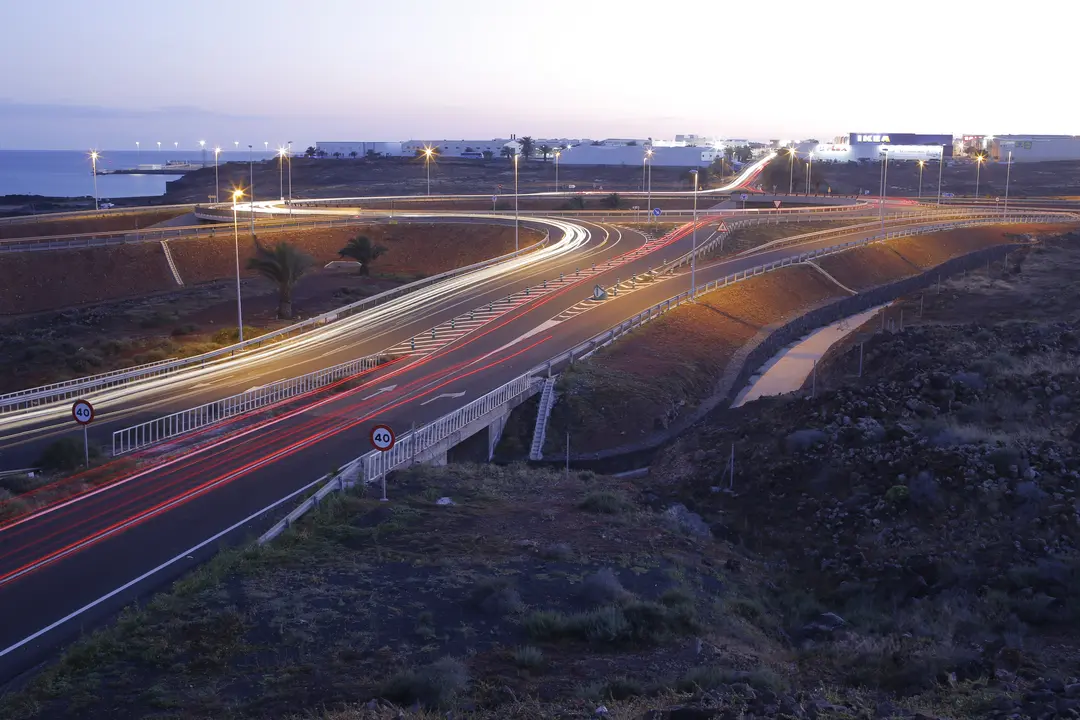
<point>59,563</point>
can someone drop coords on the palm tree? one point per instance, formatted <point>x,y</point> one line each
<point>508,152</point>
<point>310,152</point>
<point>283,264</point>
<point>526,147</point>
<point>363,251</point>
<point>545,151</point>
<point>353,154</point>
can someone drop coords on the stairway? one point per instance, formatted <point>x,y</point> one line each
<point>547,399</point>
<point>172,263</point>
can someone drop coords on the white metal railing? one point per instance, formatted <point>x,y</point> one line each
<point>163,428</point>
<point>57,392</point>
<point>543,411</point>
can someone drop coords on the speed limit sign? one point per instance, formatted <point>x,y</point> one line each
<point>83,412</point>
<point>382,437</point>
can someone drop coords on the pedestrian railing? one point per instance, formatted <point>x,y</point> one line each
<point>159,429</point>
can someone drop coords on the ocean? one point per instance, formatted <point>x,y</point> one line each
<point>66,173</point>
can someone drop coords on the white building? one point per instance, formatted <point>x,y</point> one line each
<point>360,148</point>
<point>1034,148</point>
<point>456,148</point>
<point>630,155</point>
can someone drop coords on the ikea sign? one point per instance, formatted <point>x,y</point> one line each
<point>872,138</point>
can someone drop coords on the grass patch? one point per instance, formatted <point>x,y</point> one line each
<point>529,657</point>
<point>631,623</point>
<point>434,685</point>
<point>604,502</point>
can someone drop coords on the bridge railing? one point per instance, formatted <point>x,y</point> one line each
<point>163,428</point>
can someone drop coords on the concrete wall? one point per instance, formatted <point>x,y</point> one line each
<point>1029,148</point>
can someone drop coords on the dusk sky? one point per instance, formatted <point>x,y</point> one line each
<point>107,73</point>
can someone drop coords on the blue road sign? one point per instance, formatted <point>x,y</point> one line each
<point>656,211</point>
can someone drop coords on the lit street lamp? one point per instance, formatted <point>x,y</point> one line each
<point>557,154</point>
<point>236,144</point>
<point>884,185</point>
<point>791,170</point>
<point>693,247</point>
<point>428,152</point>
<point>281,172</point>
<point>922,163</point>
<point>138,154</point>
<point>289,146</point>
<point>202,148</point>
<point>940,171</point>
<point>516,156</point>
<point>217,187</point>
<point>1008,172</point>
<point>809,168</point>
<point>159,146</point>
<point>176,145</point>
<point>266,146</point>
<point>93,169</point>
<point>978,168</point>
<point>251,182</point>
<point>237,194</point>
<point>648,202</point>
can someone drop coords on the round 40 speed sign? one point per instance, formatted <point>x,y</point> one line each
<point>83,412</point>
<point>382,437</point>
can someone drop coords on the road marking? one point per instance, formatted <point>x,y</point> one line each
<point>444,395</point>
<point>380,391</point>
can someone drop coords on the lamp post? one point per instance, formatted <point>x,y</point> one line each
<point>516,156</point>
<point>266,146</point>
<point>281,173</point>
<point>289,146</point>
<point>93,170</point>
<point>693,247</point>
<point>809,169</point>
<point>940,171</point>
<point>176,145</point>
<point>978,168</point>
<point>202,148</point>
<point>251,184</point>
<point>791,170</point>
<point>557,154</point>
<point>236,144</point>
<point>648,202</point>
<point>1008,172</point>
<point>159,146</point>
<point>922,163</point>
<point>427,166</point>
<point>217,186</point>
<point>138,153</point>
<point>237,194</point>
<point>884,185</point>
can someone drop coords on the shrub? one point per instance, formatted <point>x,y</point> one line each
<point>604,502</point>
<point>432,685</point>
<point>617,689</point>
<point>546,625</point>
<point>603,587</point>
<point>635,622</point>
<point>19,484</point>
<point>66,454</point>
<point>897,494</point>
<point>495,596</point>
<point>185,329</point>
<point>529,657</point>
<point>711,677</point>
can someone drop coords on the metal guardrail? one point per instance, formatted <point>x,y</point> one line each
<point>163,428</point>
<point>22,399</point>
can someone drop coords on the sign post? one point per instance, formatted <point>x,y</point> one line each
<point>83,413</point>
<point>494,199</point>
<point>383,439</point>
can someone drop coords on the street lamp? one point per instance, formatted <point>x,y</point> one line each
<point>428,152</point>
<point>648,202</point>
<point>516,156</point>
<point>93,169</point>
<point>289,146</point>
<point>940,171</point>
<point>138,154</point>
<point>558,153</point>
<point>217,187</point>
<point>176,145</point>
<point>809,168</point>
<point>236,144</point>
<point>978,168</point>
<point>266,146</point>
<point>693,247</point>
<point>922,163</point>
<point>884,185</point>
<point>237,194</point>
<point>251,184</point>
<point>281,172</point>
<point>791,170</point>
<point>159,146</point>
<point>1008,172</point>
<point>202,148</point>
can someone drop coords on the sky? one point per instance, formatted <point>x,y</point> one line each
<point>108,73</point>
